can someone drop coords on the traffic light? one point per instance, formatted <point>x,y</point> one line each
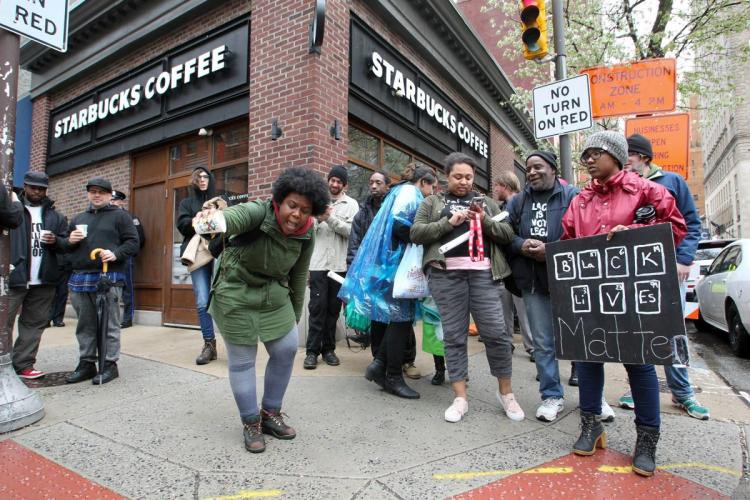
<point>534,29</point>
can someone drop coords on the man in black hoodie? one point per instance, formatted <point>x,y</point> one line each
<point>35,255</point>
<point>106,227</point>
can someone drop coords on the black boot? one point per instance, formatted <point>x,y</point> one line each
<point>208,353</point>
<point>375,372</point>
<point>438,378</point>
<point>592,435</point>
<point>573,380</point>
<point>396,385</point>
<point>644,458</point>
<point>84,371</point>
<point>253,434</point>
<point>109,373</point>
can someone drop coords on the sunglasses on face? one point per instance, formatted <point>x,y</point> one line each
<point>203,176</point>
<point>591,154</point>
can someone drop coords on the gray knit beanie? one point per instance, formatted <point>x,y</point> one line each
<point>613,143</point>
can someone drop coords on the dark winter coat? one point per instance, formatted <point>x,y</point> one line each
<point>109,228</point>
<point>20,246</point>
<point>528,274</point>
<point>360,225</point>
<point>190,206</point>
<point>11,212</point>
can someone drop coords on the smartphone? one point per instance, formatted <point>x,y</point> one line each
<point>476,203</point>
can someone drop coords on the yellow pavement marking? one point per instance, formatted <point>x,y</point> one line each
<point>472,475</point>
<point>699,465</point>
<point>249,494</point>
<point>615,469</point>
<point>690,465</point>
<point>612,469</point>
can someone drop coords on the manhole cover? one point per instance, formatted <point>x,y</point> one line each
<point>49,380</point>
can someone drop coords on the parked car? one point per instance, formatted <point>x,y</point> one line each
<point>704,256</point>
<point>724,296</point>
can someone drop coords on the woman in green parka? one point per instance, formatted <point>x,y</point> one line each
<point>258,294</point>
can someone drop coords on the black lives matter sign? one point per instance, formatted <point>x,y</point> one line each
<point>617,301</point>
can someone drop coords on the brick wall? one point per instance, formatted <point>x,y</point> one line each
<point>304,92</point>
<point>69,189</point>
<point>501,152</point>
<point>39,124</point>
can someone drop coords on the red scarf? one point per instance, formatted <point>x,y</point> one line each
<point>475,237</point>
<point>299,232</point>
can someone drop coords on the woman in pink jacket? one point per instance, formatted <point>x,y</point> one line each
<point>615,201</point>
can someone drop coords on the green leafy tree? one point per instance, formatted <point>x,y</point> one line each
<point>700,34</point>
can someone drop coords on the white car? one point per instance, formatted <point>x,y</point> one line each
<point>704,256</point>
<point>724,295</point>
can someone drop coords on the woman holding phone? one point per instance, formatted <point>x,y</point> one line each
<point>468,279</point>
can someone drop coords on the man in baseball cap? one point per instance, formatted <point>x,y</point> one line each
<point>116,235</point>
<point>36,270</point>
<point>128,292</point>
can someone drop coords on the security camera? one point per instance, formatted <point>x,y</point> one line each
<point>203,132</point>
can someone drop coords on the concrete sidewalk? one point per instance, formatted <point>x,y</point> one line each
<point>169,429</point>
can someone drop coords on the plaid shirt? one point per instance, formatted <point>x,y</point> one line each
<point>81,282</point>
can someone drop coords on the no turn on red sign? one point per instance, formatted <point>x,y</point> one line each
<point>44,21</point>
<point>562,107</point>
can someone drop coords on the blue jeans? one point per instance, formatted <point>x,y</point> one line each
<point>677,378</point>
<point>643,384</point>
<point>241,361</point>
<point>201,278</point>
<point>539,313</point>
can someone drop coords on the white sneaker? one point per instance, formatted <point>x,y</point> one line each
<point>457,410</point>
<point>549,409</point>
<point>511,406</point>
<point>607,414</point>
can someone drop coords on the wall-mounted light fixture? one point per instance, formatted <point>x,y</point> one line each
<point>336,130</point>
<point>203,132</point>
<point>276,131</point>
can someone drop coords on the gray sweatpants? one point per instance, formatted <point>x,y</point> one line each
<point>85,307</point>
<point>458,294</point>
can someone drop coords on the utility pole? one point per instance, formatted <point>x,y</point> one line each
<point>19,406</point>
<point>561,72</point>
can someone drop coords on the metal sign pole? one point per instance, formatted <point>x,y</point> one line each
<point>19,406</point>
<point>561,71</point>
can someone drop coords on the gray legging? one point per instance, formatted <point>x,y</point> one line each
<point>278,372</point>
<point>458,293</point>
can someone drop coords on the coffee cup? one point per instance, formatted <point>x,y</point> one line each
<point>83,228</point>
<point>46,232</point>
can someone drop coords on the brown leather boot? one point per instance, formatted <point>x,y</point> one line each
<point>273,424</point>
<point>208,353</point>
<point>253,434</point>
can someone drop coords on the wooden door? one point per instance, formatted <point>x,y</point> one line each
<point>147,201</point>
<point>179,301</point>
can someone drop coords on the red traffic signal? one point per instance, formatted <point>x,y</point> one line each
<point>534,29</point>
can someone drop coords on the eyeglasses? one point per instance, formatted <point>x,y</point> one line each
<point>204,176</point>
<point>591,154</point>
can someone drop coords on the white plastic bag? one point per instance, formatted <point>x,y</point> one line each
<point>410,281</point>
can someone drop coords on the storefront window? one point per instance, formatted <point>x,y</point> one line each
<point>231,183</point>
<point>364,159</point>
<point>180,273</point>
<point>394,160</point>
<point>188,154</point>
<point>231,143</point>
<point>363,146</point>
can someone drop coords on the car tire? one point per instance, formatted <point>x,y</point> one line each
<point>739,340</point>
